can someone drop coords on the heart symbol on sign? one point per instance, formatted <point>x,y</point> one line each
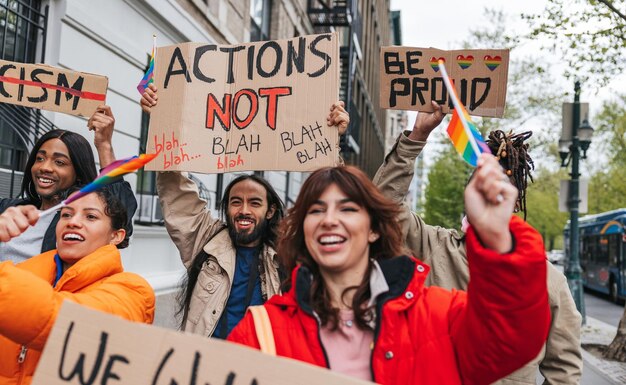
<point>492,62</point>
<point>465,61</point>
<point>434,63</point>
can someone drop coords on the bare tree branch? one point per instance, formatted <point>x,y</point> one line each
<point>610,5</point>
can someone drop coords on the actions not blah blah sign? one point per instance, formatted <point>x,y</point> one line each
<point>254,106</point>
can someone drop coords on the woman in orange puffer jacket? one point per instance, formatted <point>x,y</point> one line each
<point>86,268</point>
<point>357,307</point>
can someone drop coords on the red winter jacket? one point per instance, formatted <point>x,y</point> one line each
<point>428,335</point>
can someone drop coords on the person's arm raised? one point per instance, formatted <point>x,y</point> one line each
<point>441,248</point>
<point>102,123</point>
<point>503,320</point>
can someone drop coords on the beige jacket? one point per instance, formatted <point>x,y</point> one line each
<point>560,362</point>
<point>193,229</point>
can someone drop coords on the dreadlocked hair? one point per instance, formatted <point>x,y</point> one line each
<point>512,153</point>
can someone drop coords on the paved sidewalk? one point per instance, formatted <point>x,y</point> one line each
<point>598,332</point>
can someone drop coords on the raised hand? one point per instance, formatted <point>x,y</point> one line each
<point>15,220</point>
<point>149,98</point>
<point>102,123</point>
<point>426,122</point>
<point>489,202</point>
<point>339,117</point>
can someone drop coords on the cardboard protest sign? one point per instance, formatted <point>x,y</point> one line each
<point>256,106</point>
<point>410,79</point>
<point>51,88</point>
<point>89,347</point>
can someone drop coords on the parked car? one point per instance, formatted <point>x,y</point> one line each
<point>556,256</point>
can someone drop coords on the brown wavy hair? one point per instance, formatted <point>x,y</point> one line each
<point>383,214</point>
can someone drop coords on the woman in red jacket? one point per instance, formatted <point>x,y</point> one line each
<point>357,307</point>
<point>86,268</point>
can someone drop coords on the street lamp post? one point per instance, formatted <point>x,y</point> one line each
<point>581,138</point>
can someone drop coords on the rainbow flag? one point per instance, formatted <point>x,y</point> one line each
<point>463,133</point>
<point>108,175</point>
<point>148,77</point>
<point>461,140</point>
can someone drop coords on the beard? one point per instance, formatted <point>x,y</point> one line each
<point>246,237</point>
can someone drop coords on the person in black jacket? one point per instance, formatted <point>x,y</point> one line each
<point>59,161</point>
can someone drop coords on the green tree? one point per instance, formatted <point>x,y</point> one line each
<point>543,207</point>
<point>607,188</point>
<point>590,35</point>
<point>610,135</point>
<point>444,193</point>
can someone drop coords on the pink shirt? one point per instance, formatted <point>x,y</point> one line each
<point>348,348</point>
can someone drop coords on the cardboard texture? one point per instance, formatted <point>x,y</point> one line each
<point>410,79</point>
<point>89,347</point>
<point>51,88</point>
<point>256,106</point>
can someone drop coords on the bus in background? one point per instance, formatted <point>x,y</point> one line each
<point>602,251</point>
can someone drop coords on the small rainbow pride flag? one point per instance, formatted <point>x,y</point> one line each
<point>463,133</point>
<point>148,77</point>
<point>461,140</point>
<point>108,175</point>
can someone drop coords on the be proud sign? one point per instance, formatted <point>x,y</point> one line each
<point>410,78</point>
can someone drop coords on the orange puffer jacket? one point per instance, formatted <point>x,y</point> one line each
<point>428,335</point>
<point>29,304</point>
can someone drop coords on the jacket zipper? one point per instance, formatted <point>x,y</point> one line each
<point>20,360</point>
<point>22,356</point>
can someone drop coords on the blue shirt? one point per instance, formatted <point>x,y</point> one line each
<point>236,305</point>
<point>59,270</point>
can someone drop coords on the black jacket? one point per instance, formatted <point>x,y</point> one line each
<point>121,189</point>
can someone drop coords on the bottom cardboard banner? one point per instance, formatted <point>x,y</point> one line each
<point>90,347</point>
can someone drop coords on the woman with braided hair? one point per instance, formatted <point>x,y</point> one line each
<point>560,362</point>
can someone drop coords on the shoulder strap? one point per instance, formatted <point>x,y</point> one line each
<point>263,328</point>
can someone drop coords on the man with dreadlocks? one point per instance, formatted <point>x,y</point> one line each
<point>512,153</point>
<point>560,362</point>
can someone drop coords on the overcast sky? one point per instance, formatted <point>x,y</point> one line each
<point>444,23</point>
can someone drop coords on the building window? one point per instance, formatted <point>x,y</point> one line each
<point>22,39</point>
<point>260,19</point>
